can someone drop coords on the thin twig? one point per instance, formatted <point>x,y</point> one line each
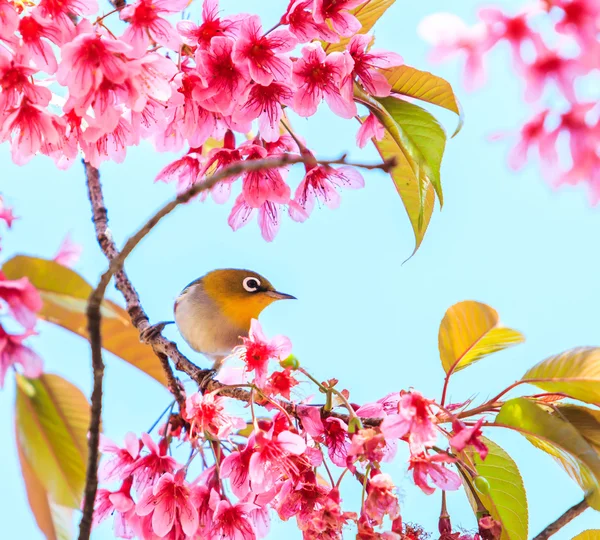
<point>567,517</point>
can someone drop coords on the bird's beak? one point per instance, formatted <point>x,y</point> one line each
<point>280,296</point>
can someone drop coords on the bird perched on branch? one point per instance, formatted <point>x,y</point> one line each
<point>213,312</point>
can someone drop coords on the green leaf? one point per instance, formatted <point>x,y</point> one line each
<point>584,420</point>
<point>367,14</point>
<point>470,331</point>
<point>507,499</point>
<point>421,138</point>
<point>558,438</point>
<point>52,419</point>
<point>425,86</point>
<point>591,534</point>
<point>54,521</point>
<point>575,372</point>
<point>65,294</point>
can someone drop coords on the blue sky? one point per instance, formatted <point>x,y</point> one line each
<point>502,238</point>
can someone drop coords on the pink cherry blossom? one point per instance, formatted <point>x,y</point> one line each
<point>35,34</point>
<point>170,503</point>
<point>146,21</point>
<point>13,352</point>
<point>367,445</point>
<point>468,436</point>
<point>532,134</point>
<point>68,252</point>
<point>6,213</point>
<point>337,13</point>
<point>9,20</point>
<point>271,458</point>
<point>301,498</point>
<point>424,466</point>
<point>99,144</point>
<point>22,298</point>
<point>60,12</point>
<point>332,432</point>
<point>268,217</point>
<point>381,501</point>
<point>264,185</point>
<point>320,76</point>
<point>366,63</point>
<point>148,468</point>
<point>449,36</point>
<point>415,419</point>
<point>327,520</point>
<point>302,24</point>
<point>118,467</point>
<point>185,171</point>
<point>16,82</point>
<point>262,54</point>
<point>320,184</point>
<point>226,81</point>
<point>118,504</point>
<point>231,521</point>
<point>211,26</point>
<point>30,126</point>
<point>371,128</point>
<point>89,58</point>
<point>580,19</point>
<point>206,413</point>
<point>280,383</point>
<point>257,350</point>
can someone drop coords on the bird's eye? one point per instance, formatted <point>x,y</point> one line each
<point>251,284</point>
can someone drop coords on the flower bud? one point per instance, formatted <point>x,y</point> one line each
<point>482,485</point>
<point>290,362</point>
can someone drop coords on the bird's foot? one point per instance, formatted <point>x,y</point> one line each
<point>206,376</point>
<point>147,335</point>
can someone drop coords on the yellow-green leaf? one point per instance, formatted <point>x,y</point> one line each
<point>53,520</point>
<point>575,372</point>
<point>367,14</point>
<point>584,420</point>
<point>51,425</point>
<point>421,137</point>
<point>507,499</point>
<point>558,438</point>
<point>409,81</point>
<point>417,197</point>
<point>65,294</point>
<point>591,534</point>
<point>470,331</point>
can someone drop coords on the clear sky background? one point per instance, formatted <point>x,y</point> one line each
<point>502,238</point>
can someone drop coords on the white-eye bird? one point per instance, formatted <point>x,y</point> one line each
<point>214,312</point>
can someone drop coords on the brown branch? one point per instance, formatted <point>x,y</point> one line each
<point>563,520</point>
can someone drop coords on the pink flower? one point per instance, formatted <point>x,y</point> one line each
<point>119,466</point>
<point>226,80</point>
<point>262,54</point>
<point>580,19</point>
<point>185,170</point>
<point>231,521</point>
<point>35,32</point>
<point>381,500</point>
<point>16,82</point>
<point>424,465</point>
<point>371,128</point>
<point>99,144</point>
<point>170,502</point>
<point>468,436</point>
<point>366,63</point>
<point>317,76</point>
<point>12,352</point>
<point>147,469</point>
<point>108,503</point>
<point>263,185</point>
<point>327,520</point>
<point>450,35</point>
<point>280,383</point>
<point>236,467</point>
<point>300,19</point>
<point>206,413</point>
<point>257,350</point>
<point>550,65</point>
<point>264,103</point>
<point>367,445</point>
<point>336,12</point>
<point>414,419</point>
<point>320,183</point>
<point>68,252</point>
<point>9,20</point>
<point>271,458</point>
<point>61,11</point>
<point>22,298</point>
<point>332,432</point>
<point>6,213</point>
<point>211,26</point>
<point>88,59</point>
<point>301,498</point>
<point>533,134</point>
<point>145,22</point>
<point>31,126</point>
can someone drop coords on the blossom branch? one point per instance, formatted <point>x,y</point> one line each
<point>563,520</point>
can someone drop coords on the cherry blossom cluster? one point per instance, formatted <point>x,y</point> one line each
<point>555,50</point>
<point>290,464</point>
<point>70,86</point>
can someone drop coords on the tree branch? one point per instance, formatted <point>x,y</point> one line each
<point>563,520</point>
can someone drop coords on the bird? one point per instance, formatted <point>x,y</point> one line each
<point>214,312</point>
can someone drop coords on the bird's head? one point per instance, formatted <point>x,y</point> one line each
<point>241,295</point>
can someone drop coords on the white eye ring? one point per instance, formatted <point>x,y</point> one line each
<point>251,284</point>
